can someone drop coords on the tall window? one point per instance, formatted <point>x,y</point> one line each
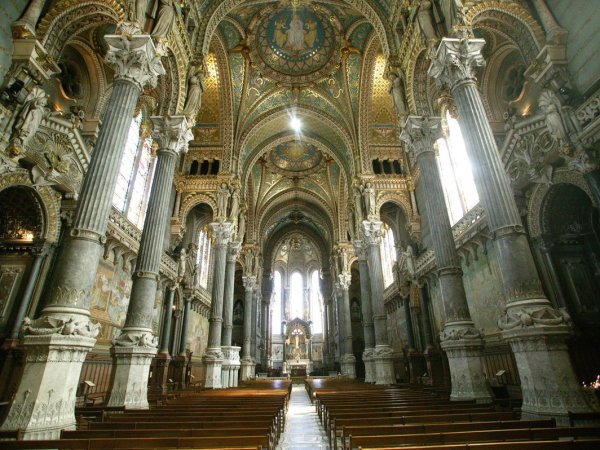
<point>276,304</point>
<point>388,255</point>
<point>455,172</point>
<point>204,254</point>
<point>135,176</point>
<point>296,295</point>
<point>316,300</point>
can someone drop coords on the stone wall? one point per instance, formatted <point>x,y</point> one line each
<point>10,10</point>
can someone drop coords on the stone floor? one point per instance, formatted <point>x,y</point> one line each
<point>303,431</point>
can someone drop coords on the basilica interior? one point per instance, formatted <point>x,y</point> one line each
<point>196,193</point>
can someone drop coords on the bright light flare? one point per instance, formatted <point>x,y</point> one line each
<point>296,124</point>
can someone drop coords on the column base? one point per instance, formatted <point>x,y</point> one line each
<point>160,373</point>
<point>348,365</point>
<point>213,360</point>
<point>247,368</point>
<point>463,346</point>
<point>44,403</point>
<point>383,358</point>
<point>129,383</point>
<point>369,365</point>
<point>548,382</point>
<point>230,367</point>
<point>416,366</point>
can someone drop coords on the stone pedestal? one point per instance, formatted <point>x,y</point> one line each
<point>45,401</point>
<point>160,373</point>
<point>416,365</point>
<point>435,366</point>
<point>230,367</point>
<point>369,365</point>
<point>384,364</point>
<point>348,365</point>
<point>247,369</point>
<point>548,382</point>
<point>130,377</point>
<point>213,361</point>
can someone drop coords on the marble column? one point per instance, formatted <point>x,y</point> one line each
<point>347,360</point>
<point>231,361</point>
<point>255,313</point>
<point>135,347</point>
<point>39,252</point>
<point>160,370</point>
<point>383,353</point>
<point>461,341</point>
<point>247,370</point>
<point>555,34</point>
<point>367,310</point>
<point>264,331</point>
<point>26,25</point>
<point>213,357</point>
<point>185,326</point>
<point>433,358</point>
<point>535,330</point>
<point>59,340</point>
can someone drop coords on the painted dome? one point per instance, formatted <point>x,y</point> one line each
<point>296,157</point>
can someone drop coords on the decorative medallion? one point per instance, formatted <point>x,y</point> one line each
<point>295,158</point>
<point>296,45</point>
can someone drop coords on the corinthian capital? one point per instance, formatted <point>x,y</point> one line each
<point>456,60</point>
<point>344,280</point>
<point>233,251</point>
<point>221,232</point>
<point>249,282</point>
<point>420,133</point>
<point>372,231</point>
<point>360,249</point>
<point>173,133</point>
<point>134,59</point>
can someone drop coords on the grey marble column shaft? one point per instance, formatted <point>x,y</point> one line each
<point>31,16</point>
<point>222,232</point>
<point>427,331</point>
<point>185,326</point>
<point>344,307</point>
<point>365,294</point>
<point>409,325</point>
<point>255,306</point>
<point>166,329</point>
<point>233,252</point>
<point>554,32</point>
<point>249,284</point>
<point>264,331</point>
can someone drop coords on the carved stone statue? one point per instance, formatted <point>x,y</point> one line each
<point>453,13</point>
<point>369,196</point>
<point>223,195</point>
<point>165,18</point>
<point>550,106</point>
<point>351,225</point>
<point>397,92</point>
<point>194,90</point>
<point>181,264</point>
<point>235,205</point>
<point>425,19</point>
<point>241,225</point>
<point>409,259</point>
<point>137,11</point>
<point>30,116</point>
<point>358,208</point>
<point>249,261</point>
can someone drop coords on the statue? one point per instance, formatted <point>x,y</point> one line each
<point>241,225</point>
<point>194,91</point>
<point>550,106</point>
<point>181,264</point>
<point>249,260</point>
<point>397,92</point>
<point>425,20</point>
<point>351,225</point>
<point>165,18</point>
<point>358,209</point>
<point>223,195</point>
<point>235,205</point>
<point>369,196</point>
<point>453,14</point>
<point>30,116</point>
<point>409,260</point>
<point>137,11</point>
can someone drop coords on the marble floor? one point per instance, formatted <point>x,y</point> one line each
<point>303,431</point>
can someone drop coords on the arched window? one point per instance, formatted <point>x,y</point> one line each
<point>135,176</point>
<point>316,302</point>
<point>276,304</point>
<point>204,254</point>
<point>296,295</point>
<point>388,255</point>
<point>455,172</point>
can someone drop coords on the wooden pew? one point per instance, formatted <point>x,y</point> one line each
<point>591,444</point>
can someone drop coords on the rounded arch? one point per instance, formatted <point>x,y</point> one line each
<point>193,200</point>
<point>49,202</point>
<point>540,192</point>
<point>397,199</point>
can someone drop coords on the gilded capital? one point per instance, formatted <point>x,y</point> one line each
<point>233,251</point>
<point>456,60</point>
<point>249,283</point>
<point>372,232</point>
<point>420,133</point>
<point>173,133</point>
<point>134,59</point>
<point>222,232</point>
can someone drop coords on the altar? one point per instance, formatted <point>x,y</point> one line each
<point>297,348</point>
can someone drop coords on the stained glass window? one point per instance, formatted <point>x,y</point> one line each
<point>316,302</point>
<point>296,295</point>
<point>135,176</point>
<point>388,255</point>
<point>204,255</point>
<point>276,304</point>
<point>456,173</point>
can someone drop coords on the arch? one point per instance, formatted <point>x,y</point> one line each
<point>194,200</point>
<point>397,199</point>
<point>49,201</point>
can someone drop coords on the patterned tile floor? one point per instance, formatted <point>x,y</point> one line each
<point>303,431</point>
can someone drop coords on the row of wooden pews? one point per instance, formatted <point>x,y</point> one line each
<point>249,417</point>
<point>361,416</point>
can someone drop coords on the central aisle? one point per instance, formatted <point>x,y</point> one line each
<point>303,431</point>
